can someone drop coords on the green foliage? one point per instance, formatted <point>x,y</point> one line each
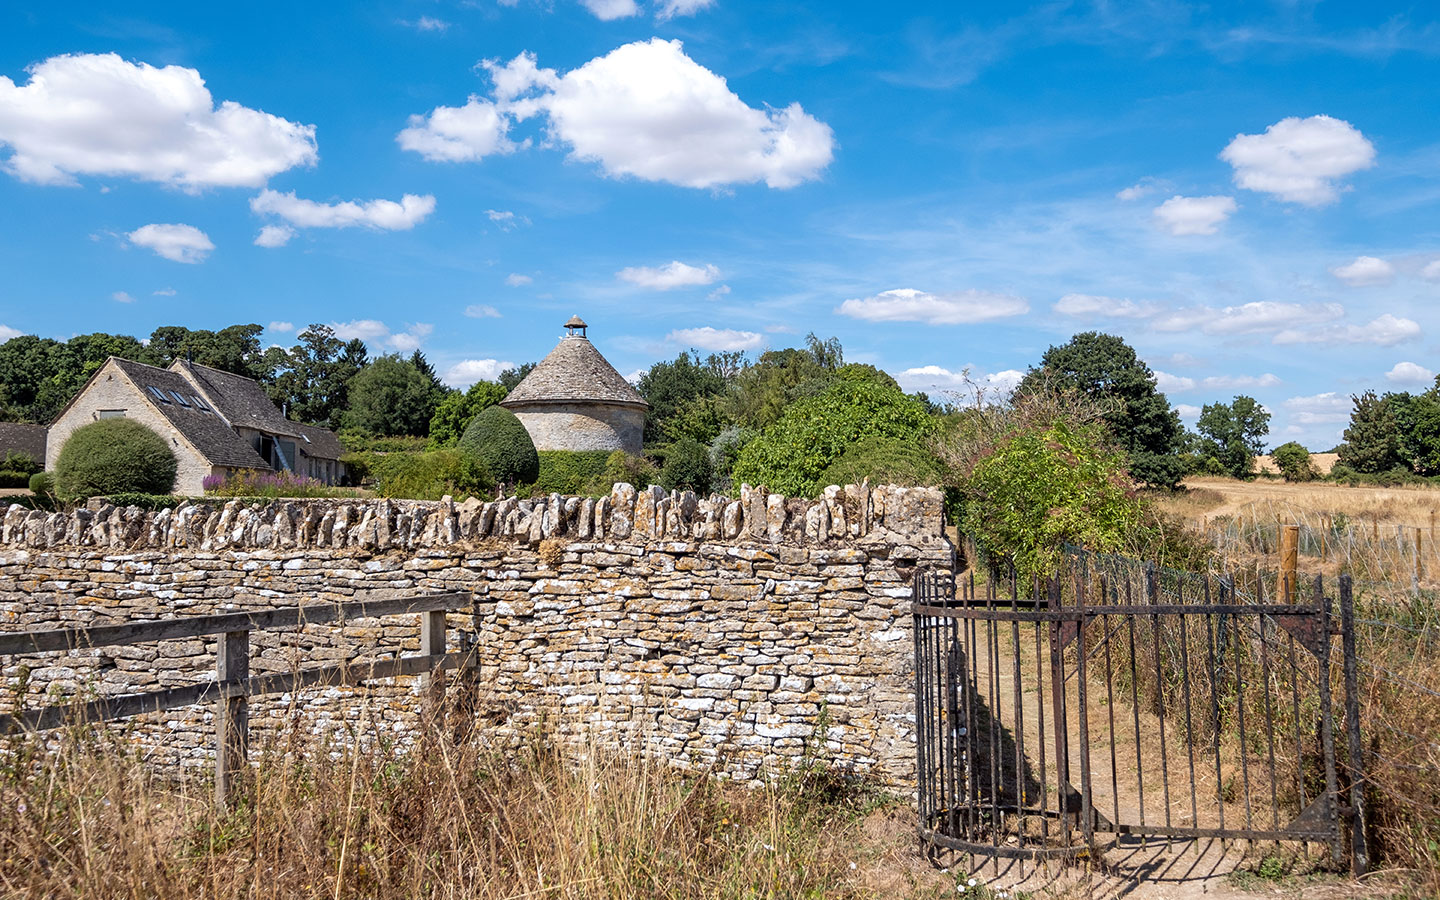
<point>1105,369</point>
<point>673,387</point>
<point>498,440</point>
<point>510,378</point>
<point>12,479</point>
<point>42,484</point>
<point>142,500</point>
<point>393,396</point>
<point>763,392</point>
<point>1372,440</point>
<point>569,471</point>
<point>19,461</point>
<point>355,440</point>
<point>310,381</point>
<point>38,376</point>
<point>622,467</point>
<point>885,461</point>
<point>1041,489</point>
<point>454,412</point>
<point>1294,463</point>
<point>790,456</point>
<point>234,349</point>
<point>687,467</point>
<point>1417,426</point>
<point>112,455</point>
<point>1234,433</point>
<point>430,475</point>
<point>724,451</point>
<point>251,483</point>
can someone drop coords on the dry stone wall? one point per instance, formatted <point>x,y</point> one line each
<point>714,631</point>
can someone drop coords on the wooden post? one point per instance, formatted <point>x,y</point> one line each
<point>1419,565</point>
<point>1324,535</point>
<point>1289,556</point>
<point>232,714</point>
<point>432,645</point>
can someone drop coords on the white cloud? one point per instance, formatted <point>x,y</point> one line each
<point>609,10</point>
<point>466,133</point>
<point>961,382</point>
<point>481,311</point>
<point>274,236</point>
<point>1142,188</point>
<point>957,308</point>
<point>122,297</point>
<point>1170,384</point>
<point>1194,215</point>
<point>373,331</point>
<point>1365,270</point>
<point>1409,373</point>
<point>515,279</point>
<point>6,333</point>
<point>164,292</point>
<point>669,9</point>
<point>634,377</point>
<point>1299,160</point>
<point>179,243</point>
<point>505,219</point>
<point>669,276</point>
<point>1319,409</point>
<point>1092,305</point>
<point>644,110</point>
<point>427,23</point>
<point>96,114</point>
<point>1384,331</point>
<point>383,214</point>
<point>1431,271</point>
<point>1248,318</point>
<point>708,338</point>
<point>467,372</point>
<point>1187,411</point>
<point>280,327</point>
<point>719,292</point>
<point>1232,382</point>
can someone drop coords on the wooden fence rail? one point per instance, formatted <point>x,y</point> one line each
<point>233,684</point>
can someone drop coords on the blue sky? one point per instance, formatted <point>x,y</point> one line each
<point>1249,193</point>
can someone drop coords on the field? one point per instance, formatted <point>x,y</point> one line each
<point>1386,506</point>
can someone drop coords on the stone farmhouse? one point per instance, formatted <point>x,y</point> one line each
<point>575,400</point>
<point>217,422</point>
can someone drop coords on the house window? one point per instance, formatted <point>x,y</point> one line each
<point>200,404</point>
<point>110,414</point>
<point>157,393</point>
<point>180,398</point>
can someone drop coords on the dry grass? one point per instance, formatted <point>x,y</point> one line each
<point>447,818</point>
<point>1410,505</point>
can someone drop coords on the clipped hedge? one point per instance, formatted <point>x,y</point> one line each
<point>430,475</point>
<point>569,471</point>
<point>498,440</point>
<point>114,456</point>
<point>140,500</point>
<point>12,479</point>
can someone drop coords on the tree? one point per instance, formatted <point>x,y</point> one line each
<point>670,387</point>
<point>791,455</point>
<point>310,381</point>
<point>1105,368</point>
<point>1235,433</point>
<point>763,392</point>
<point>38,376</point>
<point>498,440</point>
<point>1372,440</point>
<point>687,467</point>
<point>1294,462</point>
<point>510,378</point>
<point>457,408</point>
<point>1417,426</point>
<point>112,456</point>
<point>233,349</point>
<point>392,396</point>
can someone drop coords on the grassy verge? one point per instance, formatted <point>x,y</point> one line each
<point>445,817</point>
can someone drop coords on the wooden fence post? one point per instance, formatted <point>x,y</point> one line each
<point>432,645</point>
<point>1289,557</point>
<point>232,713</point>
<point>1419,564</point>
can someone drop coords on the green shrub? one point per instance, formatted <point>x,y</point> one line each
<point>431,475</point>
<point>1294,463</point>
<point>621,466</point>
<point>42,484</point>
<point>11,479</point>
<point>455,411</point>
<point>358,465</point>
<point>569,471</point>
<point>885,461</point>
<point>111,456</point>
<point>254,483</point>
<point>141,500</point>
<point>498,440</point>
<point>358,440</point>
<point>19,461</point>
<point>687,467</point>
<point>790,456</point>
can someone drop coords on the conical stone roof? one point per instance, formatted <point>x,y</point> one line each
<point>574,372</point>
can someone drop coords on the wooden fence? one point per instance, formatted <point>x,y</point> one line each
<point>233,684</point>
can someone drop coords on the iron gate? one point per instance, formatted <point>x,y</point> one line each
<point>1120,699</point>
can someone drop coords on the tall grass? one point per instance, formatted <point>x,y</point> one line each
<point>448,816</point>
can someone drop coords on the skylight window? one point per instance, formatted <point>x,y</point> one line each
<point>158,394</point>
<point>200,404</point>
<point>180,399</point>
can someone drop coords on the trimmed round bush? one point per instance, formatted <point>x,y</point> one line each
<point>114,456</point>
<point>42,483</point>
<point>497,439</point>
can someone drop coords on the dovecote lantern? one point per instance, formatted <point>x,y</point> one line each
<point>575,400</point>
